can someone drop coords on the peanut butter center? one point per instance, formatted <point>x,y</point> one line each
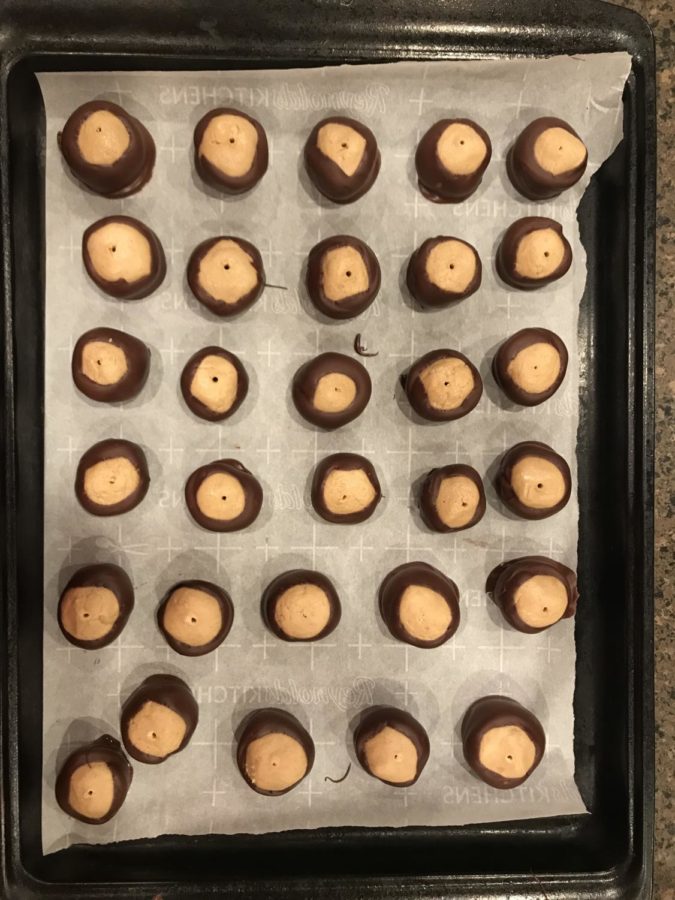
<point>192,616</point>
<point>424,613</point>
<point>347,491</point>
<point>102,138</point>
<point>343,145</point>
<point>156,730</point>
<point>343,273</point>
<point>119,252</point>
<point>88,613</point>
<point>537,482</point>
<point>227,272</point>
<point>507,750</point>
<point>215,383</point>
<point>457,501</point>
<point>334,393</point>
<point>541,600</point>
<point>91,791</point>
<point>111,481</point>
<point>275,762</point>
<point>230,144</point>
<point>539,253</point>
<point>391,756</point>
<point>302,611</point>
<point>221,496</point>
<point>103,362</point>
<point>535,368</point>
<point>447,383</point>
<point>461,149</point>
<point>557,151</point>
<point>451,266</point>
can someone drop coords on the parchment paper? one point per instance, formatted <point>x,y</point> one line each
<point>324,684</point>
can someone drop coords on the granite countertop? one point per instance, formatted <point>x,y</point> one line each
<point>661,16</point>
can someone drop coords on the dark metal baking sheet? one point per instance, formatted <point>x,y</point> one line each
<point>605,854</point>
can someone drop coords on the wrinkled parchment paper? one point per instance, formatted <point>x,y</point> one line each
<point>324,684</point>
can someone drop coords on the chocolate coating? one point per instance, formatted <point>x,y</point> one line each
<point>122,289</point>
<point>347,462</point>
<point>216,177</point>
<point>307,378</point>
<point>253,495</point>
<point>356,303</point>
<point>361,348</point>
<point>505,579</point>
<point>508,351</point>
<point>435,181</point>
<point>423,290</point>
<point>286,580</point>
<point>527,176</point>
<point>193,403</point>
<point>328,177</point>
<point>496,712</point>
<point>271,721</point>
<point>410,575</point>
<point>103,750</point>
<point>137,357</point>
<point>419,399</point>
<point>508,248</point>
<point>111,449</point>
<point>226,611</point>
<point>219,307</point>
<point>103,575</point>
<point>374,719</point>
<point>505,488</point>
<point>429,495</point>
<point>126,175</point>
<point>166,690</point>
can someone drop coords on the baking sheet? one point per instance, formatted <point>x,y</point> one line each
<point>328,683</point>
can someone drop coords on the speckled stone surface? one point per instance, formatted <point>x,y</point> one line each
<point>661,16</point>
